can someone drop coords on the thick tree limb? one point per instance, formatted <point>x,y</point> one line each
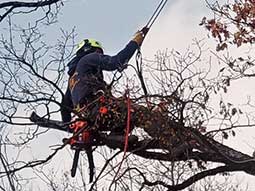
<point>214,152</point>
<point>210,172</point>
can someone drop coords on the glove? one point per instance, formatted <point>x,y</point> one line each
<point>139,36</point>
<point>145,30</point>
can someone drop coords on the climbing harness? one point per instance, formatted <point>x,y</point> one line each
<point>84,137</point>
<point>108,117</point>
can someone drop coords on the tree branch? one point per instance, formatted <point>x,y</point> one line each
<point>218,153</point>
<point>19,4</point>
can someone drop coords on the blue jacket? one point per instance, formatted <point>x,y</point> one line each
<point>86,76</point>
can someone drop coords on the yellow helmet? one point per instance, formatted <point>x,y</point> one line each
<point>89,45</point>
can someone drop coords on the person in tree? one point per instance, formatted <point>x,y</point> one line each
<point>86,96</point>
<point>86,73</point>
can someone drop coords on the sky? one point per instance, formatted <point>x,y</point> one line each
<point>114,22</point>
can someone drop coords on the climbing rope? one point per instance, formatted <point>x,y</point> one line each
<point>145,30</point>
<point>139,62</point>
<point>126,133</point>
<point>156,13</point>
<point>128,123</point>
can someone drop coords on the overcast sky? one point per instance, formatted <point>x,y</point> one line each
<point>113,22</point>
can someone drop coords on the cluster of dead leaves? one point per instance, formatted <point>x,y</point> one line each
<point>233,24</point>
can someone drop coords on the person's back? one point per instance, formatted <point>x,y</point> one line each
<point>86,80</point>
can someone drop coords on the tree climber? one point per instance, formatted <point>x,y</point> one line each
<point>88,98</point>
<point>86,76</point>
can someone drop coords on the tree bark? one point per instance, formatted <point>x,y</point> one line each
<point>180,141</point>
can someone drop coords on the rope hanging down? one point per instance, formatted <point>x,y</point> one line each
<point>145,30</point>
<point>128,100</point>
